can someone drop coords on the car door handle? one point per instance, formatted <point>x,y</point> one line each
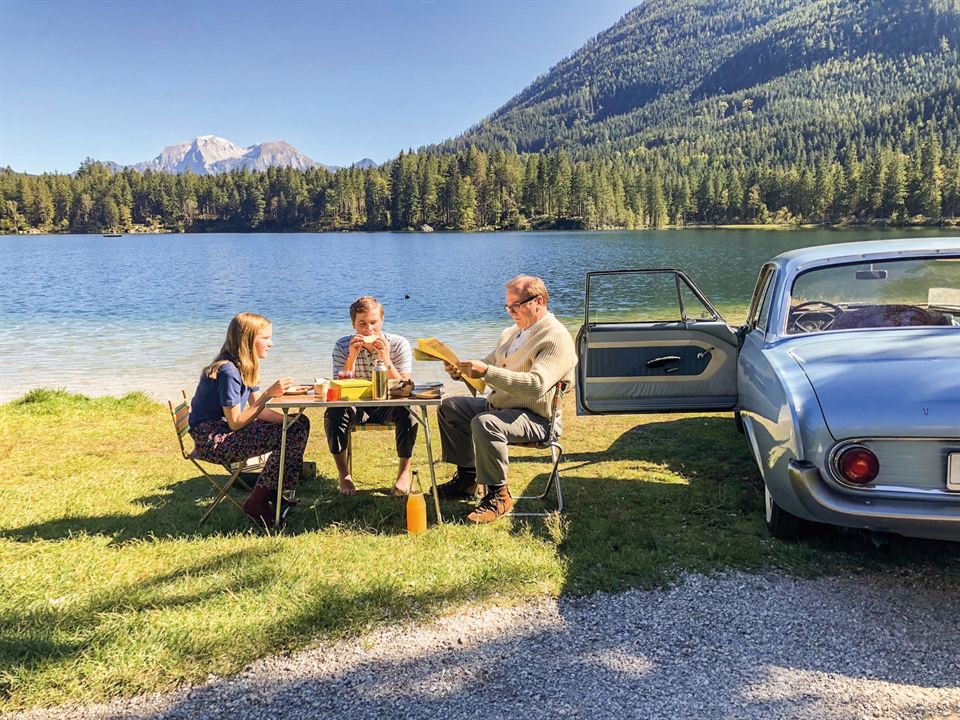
<point>701,355</point>
<point>661,361</point>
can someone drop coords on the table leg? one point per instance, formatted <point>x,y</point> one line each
<point>433,472</point>
<point>283,457</point>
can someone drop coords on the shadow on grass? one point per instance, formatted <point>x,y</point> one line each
<point>30,645</point>
<point>685,495</point>
<point>175,510</point>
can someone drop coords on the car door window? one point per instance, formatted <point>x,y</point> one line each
<point>654,296</point>
<point>693,308</point>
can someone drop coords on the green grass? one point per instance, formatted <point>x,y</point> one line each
<point>110,588</point>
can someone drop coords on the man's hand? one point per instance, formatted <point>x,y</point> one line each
<point>382,348</point>
<point>452,370</point>
<point>356,343</point>
<point>473,369</point>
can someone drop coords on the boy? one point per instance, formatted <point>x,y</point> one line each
<point>356,355</point>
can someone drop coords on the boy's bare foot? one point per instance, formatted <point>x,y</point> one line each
<point>402,485</point>
<point>347,486</point>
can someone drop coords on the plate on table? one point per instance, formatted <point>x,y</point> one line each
<point>298,389</point>
<point>427,392</point>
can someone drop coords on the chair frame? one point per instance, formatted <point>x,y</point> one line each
<point>364,427</point>
<point>552,443</point>
<point>180,413</point>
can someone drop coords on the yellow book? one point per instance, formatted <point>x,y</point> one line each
<point>433,349</point>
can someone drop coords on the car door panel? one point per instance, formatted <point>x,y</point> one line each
<point>652,370</point>
<point>658,366</point>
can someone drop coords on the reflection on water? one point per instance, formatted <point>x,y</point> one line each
<point>109,315</point>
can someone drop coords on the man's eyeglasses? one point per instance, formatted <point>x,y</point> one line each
<point>516,305</point>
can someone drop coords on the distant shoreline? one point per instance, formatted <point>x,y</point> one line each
<point>951,222</point>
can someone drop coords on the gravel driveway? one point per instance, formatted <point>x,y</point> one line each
<point>735,646</point>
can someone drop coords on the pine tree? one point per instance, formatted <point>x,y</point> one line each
<point>931,175</point>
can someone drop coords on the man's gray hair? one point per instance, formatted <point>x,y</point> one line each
<point>529,285</point>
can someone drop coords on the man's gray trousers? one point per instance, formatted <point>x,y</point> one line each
<point>474,434</point>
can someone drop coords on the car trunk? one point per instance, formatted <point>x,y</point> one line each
<point>886,383</point>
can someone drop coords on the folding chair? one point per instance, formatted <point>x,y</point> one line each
<point>249,470</point>
<point>181,423</point>
<point>552,443</point>
<point>364,427</point>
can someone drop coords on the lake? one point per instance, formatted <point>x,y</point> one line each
<point>146,312</point>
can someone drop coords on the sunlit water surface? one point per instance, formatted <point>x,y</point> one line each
<point>109,315</point>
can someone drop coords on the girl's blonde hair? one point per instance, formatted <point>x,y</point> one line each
<point>238,348</point>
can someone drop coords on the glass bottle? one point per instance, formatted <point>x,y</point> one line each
<point>416,507</point>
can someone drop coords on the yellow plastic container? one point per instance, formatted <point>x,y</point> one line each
<point>353,389</point>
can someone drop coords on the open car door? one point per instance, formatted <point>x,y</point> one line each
<point>651,342</point>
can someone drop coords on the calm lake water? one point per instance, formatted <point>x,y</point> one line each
<point>109,315</point>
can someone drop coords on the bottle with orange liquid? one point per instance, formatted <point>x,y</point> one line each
<point>416,507</point>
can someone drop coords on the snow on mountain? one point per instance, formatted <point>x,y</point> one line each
<point>209,155</point>
<point>279,153</point>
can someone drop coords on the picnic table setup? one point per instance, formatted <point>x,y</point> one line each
<point>356,394</point>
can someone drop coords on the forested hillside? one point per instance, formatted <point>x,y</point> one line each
<point>748,81</point>
<point>686,111</point>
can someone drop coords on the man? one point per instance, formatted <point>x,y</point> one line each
<point>355,356</point>
<point>529,360</point>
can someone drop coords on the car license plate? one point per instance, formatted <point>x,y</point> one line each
<point>953,472</point>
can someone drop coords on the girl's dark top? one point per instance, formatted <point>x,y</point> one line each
<point>212,396</point>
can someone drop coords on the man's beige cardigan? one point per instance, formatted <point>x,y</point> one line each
<point>524,379</point>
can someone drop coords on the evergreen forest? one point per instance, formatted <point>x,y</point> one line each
<point>684,112</point>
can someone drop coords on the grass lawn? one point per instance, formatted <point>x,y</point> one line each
<point>111,588</point>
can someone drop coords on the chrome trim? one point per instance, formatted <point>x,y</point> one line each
<point>934,520</point>
<point>833,462</point>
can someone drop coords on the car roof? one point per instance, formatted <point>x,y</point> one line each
<point>867,249</point>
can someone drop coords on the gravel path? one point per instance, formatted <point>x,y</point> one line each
<point>735,646</point>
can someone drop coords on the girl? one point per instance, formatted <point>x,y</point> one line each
<point>228,421</point>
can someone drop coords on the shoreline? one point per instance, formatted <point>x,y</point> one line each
<point>880,224</point>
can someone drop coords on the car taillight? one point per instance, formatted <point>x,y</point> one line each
<point>858,465</point>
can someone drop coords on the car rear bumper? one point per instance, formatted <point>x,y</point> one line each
<point>928,518</point>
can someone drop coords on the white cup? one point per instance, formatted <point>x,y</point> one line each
<point>320,388</point>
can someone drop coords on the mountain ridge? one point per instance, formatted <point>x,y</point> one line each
<point>723,74</point>
<point>211,155</point>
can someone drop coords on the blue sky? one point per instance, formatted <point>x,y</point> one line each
<point>339,80</point>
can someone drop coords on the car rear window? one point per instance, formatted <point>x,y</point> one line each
<point>892,293</point>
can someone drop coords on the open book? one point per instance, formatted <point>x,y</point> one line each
<point>433,349</point>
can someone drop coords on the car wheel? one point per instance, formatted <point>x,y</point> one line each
<point>781,524</point>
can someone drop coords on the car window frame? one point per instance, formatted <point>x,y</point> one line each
<point>678,277</point>
<point>762,298</point>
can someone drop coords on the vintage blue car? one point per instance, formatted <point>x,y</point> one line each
<point>845,377</point>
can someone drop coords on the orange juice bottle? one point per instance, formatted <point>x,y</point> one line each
<point>416,508</point>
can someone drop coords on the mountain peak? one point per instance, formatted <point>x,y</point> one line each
<point>211,154</point>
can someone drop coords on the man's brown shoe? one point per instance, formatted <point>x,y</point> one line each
<point>495,504</point>
<point>460,487</point>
